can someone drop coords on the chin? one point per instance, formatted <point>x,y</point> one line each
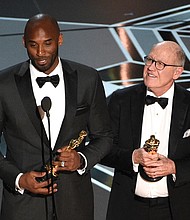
<point>150,83</point>
<point>42,69</point>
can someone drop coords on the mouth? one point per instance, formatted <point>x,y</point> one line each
<point>151,75</point>
<point>41,62</point>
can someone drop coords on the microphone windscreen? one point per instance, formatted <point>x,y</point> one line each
<point>46,104</point>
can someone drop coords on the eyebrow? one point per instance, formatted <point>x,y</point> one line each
<point>33,41</point>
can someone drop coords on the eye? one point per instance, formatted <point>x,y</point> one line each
<point>33,44</point>
<point>148,59</point>
<point>160,63</point>
<point>48,42</point>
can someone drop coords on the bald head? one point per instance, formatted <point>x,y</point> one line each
<point>173,50</point>
<point>165,65</point>
<point>41,21</point>
<point>42,39</point>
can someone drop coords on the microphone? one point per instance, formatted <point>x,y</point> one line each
<point>46,105</point>
<point>48,166</point>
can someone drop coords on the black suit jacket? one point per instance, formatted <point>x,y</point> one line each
<point>126,110</point>
<point>25,137</point>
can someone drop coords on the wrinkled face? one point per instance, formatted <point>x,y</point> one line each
<point>159,81</point>
<point>42,43</point>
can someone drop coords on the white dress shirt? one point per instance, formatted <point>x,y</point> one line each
<point>57,96</point>
<point>156,121</point>
<point>57,110</point>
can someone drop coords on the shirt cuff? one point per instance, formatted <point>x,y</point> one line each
<point>17,187</point>
<point>81,171</point>
<point>135,165</point>
<point>174,177</point>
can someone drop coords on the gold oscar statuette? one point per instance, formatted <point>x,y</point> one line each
<point>51,170</point>
<point>76,142</point>
<point>150,146</point>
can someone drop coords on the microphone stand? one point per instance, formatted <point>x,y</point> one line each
<point>46,105</point>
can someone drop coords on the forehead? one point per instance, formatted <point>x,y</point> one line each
<point>164,52</point>
<point>41,30</point>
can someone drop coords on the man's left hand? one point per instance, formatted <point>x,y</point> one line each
<point>67,160</point>
<point>162,167</point>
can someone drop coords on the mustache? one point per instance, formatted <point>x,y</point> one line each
<point>41,58</point>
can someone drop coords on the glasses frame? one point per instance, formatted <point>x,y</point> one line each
<point>156,61</point>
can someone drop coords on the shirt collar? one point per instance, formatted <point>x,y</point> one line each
<point>168,94</point>
<point>36,73</point>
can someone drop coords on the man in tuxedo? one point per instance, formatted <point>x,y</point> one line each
<point>76,102</point>
<point>150,184</point>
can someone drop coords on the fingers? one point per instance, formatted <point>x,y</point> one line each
<point>140,156</point>
<point>47,190</point>
<point>67,160</point>
<point>154,171</point>
<point>162,167</point>
<point>28,182</point>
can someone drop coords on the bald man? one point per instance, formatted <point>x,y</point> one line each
<point>75,105</point>
<point>152,183</point>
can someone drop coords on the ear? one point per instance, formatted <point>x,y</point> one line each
<point>60,40</point>
<point>178,72</point>
<point>23,42</point>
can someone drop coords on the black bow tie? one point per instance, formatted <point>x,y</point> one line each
<point>151,100</point>
<point>53,79</point>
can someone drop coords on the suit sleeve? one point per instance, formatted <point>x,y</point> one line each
<point>120,156</point>
<point>183,164</point>
<point>8,171</point>
<point>100,133</point>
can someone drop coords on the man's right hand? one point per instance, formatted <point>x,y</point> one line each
<point>28,182</point>
<point>140,156</point>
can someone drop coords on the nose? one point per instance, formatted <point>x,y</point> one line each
<point>40,51</point>
<point>152,65</point>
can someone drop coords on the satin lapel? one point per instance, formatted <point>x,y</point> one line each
<point>137,109</point>
<point>24,85</point>
<point>70,80</point>
<point>179,111</point>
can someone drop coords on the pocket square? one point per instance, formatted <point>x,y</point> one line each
<point>187,133</point>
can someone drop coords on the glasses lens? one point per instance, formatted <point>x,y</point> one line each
<point>159,65</point>
<point>148,61</point>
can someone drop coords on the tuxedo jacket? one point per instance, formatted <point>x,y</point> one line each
<point>26,140</point>
<point>126,108</point>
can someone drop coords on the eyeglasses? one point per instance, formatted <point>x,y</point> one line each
<point>158,64</point>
